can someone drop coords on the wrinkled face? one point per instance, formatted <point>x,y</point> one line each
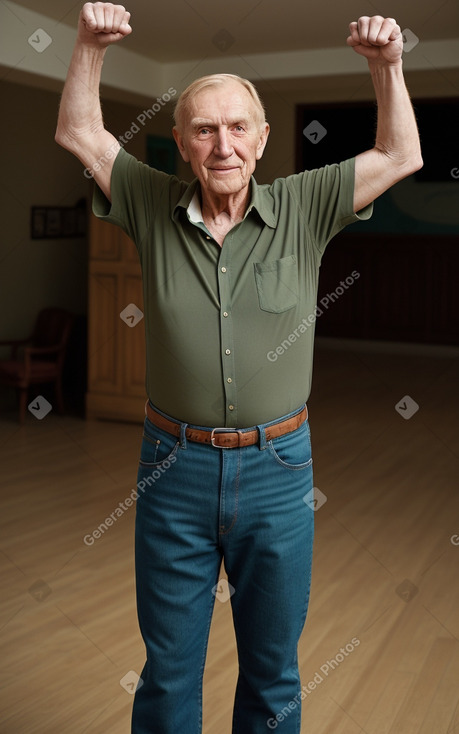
<point>222,139</point>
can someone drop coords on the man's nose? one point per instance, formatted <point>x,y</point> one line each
<point>223,144</point>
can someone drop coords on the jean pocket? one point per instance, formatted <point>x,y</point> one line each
<point>293,450</point>
<point>277,284</point>
<point>158,446</point>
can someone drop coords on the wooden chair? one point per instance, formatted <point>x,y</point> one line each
<point>42,359</point>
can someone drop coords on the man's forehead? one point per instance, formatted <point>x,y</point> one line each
<point>230,101</point>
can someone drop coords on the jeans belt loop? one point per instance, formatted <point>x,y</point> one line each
<point>262,443</point>
<point>183,427</point>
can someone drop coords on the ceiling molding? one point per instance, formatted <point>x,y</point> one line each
<point>27,31</point>
<point>428,55</point>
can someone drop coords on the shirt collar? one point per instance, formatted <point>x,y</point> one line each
<point>259,201</point>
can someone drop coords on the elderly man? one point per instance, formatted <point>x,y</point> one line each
<point>230,270</point>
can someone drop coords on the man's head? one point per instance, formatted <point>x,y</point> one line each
<point>220,129</point>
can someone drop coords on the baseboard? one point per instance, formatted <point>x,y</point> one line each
<point>387,347</point>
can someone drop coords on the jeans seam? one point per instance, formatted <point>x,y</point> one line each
<point>203,661</point>
<point>237,478</point>
<point>156,464</point>
<point>153,442</point>
<point>300,631</point>
<point>294,467</point>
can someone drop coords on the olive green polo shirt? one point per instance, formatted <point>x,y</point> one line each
<point>229,330</point>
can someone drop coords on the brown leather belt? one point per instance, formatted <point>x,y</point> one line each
<point>227,438</point>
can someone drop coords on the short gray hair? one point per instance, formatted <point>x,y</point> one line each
<point>213,80</point>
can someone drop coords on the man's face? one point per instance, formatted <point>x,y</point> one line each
<point>221,138</point>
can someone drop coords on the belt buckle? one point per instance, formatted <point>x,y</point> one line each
<point>225,429</point>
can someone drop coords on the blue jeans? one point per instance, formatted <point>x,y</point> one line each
<point>198,504</point>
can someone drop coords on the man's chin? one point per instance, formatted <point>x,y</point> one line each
<point>229,183</point>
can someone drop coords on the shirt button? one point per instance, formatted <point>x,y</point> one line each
<point>223,270</point>
<point>228,379</point>
<point>227,351</point>
<point>225,314</point>
<point>230,407</point>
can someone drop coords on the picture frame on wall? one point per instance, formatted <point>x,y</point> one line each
<point>58,222</point>
<point>53,222</point>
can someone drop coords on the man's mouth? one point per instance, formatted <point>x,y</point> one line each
<point>225,170</point>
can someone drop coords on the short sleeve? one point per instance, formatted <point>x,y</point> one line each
<point>136,190</point>
<point>326,200</point>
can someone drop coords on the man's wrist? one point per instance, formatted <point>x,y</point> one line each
<point>89,50</point>
<point>376,67</point>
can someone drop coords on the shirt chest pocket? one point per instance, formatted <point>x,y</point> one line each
<point>277,284</point>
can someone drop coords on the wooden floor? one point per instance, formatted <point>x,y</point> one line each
<point>385,573</point>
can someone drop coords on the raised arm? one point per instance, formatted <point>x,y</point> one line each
<point>80,127</point>
<point>397,151</point>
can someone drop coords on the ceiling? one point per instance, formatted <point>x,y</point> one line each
<point>182,30</point>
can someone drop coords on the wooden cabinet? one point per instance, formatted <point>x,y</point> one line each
<point>116,347</point>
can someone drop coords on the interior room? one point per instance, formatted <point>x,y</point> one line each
<point>379,652</point>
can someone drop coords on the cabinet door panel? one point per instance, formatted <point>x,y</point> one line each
<point>103,344</point>
<point>116,348</point>
<point>133,341</point>
<point>104,240</point>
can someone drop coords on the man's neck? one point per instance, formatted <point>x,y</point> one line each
<point>224,207</point>
<point>221,213</point>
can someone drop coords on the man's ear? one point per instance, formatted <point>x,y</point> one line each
<point>179,140</point>
<point>262,141</point>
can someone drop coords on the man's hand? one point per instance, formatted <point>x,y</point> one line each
<point>397,151</point>
<point>379,39</point>
<point>101,24</point>
<point>80,127</point>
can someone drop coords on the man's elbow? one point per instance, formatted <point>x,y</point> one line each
<point>62,138</point>
<point>408,166</point>
<point>402,162</point>
<point>68,138</point>
<point>66,141</point>
<point>415,163</point>
<point>58,138</point>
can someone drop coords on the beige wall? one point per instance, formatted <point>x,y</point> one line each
<point>35,273</point>
<point>36,171</point>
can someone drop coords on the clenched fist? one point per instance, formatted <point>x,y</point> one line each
<point>101,24</point>
<point>379,39</point>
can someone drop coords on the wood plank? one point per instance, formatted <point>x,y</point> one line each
<point>392,507</point>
